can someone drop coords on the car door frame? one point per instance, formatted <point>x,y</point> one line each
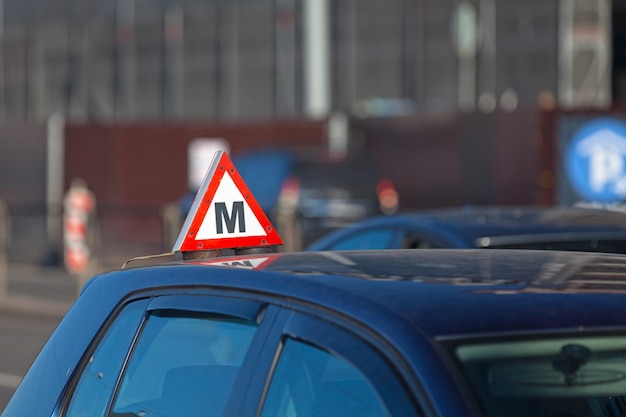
<point>227,304</point>
<point>322,329</point>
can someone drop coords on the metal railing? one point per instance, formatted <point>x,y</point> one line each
<point>242,60</point>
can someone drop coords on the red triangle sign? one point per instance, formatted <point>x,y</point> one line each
<point>225,214</point>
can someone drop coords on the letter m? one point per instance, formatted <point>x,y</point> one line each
<point>221,213</point>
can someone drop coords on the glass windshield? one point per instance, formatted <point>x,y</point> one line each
<point>582,377</point>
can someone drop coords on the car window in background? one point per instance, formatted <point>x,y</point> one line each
<point>311,382</point>
<point>183,365</point>
<point>415,240</point>
<point>97,381</point>
<point>355,178</point>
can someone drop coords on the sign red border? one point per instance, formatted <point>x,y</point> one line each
<point>204,198</point>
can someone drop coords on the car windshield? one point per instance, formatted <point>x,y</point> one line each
<point>556,377</point>
<point>335,179</point>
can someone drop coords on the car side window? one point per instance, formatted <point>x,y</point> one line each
<point>309,381</point>
<point>418,241</point>
<point>368,239</point>
<point>97,381</point>
<point>183,365</point>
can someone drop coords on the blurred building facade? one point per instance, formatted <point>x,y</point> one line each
<point>130,82</point>
<point>231,60</point>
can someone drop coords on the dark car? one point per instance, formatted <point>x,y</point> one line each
<point>557,228</point>
<point>454,333</point>
<point>308,193</point>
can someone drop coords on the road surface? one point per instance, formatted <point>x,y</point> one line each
<point>23,335</point>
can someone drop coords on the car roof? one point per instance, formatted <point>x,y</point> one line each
<point>441,292</point>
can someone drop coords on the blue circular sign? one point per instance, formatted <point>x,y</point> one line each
<point>595,161</point>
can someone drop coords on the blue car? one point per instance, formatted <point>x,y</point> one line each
<point>556,228</point>
<point>373,333</point>
<point>403,333</point>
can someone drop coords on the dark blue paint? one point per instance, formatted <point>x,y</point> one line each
<point>402,300</point>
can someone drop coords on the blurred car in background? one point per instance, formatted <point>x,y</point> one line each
<point>556,228</point>
<point>308,194</point>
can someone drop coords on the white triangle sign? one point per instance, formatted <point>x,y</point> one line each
<point>225,214</point>
<point>229,214</point>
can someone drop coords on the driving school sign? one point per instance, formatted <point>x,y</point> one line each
<point>594,162</point>
<point>224,213</point>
